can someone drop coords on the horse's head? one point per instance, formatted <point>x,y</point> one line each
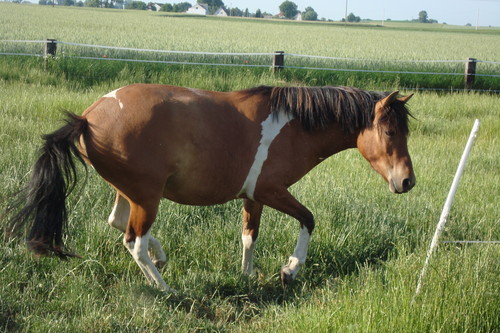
<point>384,144</point>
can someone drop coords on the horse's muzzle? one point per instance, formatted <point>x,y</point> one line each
<point>402,186</point>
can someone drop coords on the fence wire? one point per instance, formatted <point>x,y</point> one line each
<point>72,50</point>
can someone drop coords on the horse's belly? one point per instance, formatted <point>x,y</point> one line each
<point>211,189</point>
<point>197,197</point>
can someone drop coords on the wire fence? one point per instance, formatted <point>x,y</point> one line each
<point>61,49</point>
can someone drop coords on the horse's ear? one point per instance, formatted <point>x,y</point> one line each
<point>389,99</point>
<point>405,99</point>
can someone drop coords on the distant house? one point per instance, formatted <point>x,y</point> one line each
<point>154,6</point>
<point>297,17</point>
<point>220,12</point>
<point>198,9</point>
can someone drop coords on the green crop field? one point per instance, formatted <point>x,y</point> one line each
<point>368,247</point>
<point>393,47</point>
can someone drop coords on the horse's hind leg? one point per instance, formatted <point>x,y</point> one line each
<point>119,219</point>
<point>137,239</point>
<point>252,212</point>
<point>283,201</point>
<point>119,215</point>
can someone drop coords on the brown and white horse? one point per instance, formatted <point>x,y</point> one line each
<point>200,147</point>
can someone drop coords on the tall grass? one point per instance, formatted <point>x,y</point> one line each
<point>365,255</point>
<point>363,263</point>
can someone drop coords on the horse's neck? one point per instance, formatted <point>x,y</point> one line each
<point>333,140</point>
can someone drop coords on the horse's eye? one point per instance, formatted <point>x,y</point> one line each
<point>390,133</point>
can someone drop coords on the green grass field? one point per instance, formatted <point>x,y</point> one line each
<point>369,244</point>
<point>385,48</point>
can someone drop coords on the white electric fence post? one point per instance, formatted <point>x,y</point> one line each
<point>447,204</point>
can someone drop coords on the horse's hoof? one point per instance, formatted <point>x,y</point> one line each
<point>159,263</point>
<point>171,291</point>
<point>286,278</point>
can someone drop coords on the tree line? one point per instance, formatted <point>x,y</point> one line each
<point>288,9</point>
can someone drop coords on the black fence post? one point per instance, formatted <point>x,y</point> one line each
<point>470,71</point>
<point>278,61</point>
<point>50,50</point>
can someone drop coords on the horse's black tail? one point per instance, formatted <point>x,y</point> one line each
<point>53,177</point>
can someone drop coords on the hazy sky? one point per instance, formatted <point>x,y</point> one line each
<point>458,12</point>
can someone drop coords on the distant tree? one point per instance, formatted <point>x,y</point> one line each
<point>79,4</point>
<point>423,17</point>
<point>258,13</point>
<point>166,7</point>
<point>289,9</point>
<point>353,18</point>
<point>136,5</point>
<point>92,3</point>
<point>213,5</point>
<point>181,7</point>
<point>235,12</point>
<point>185,6</point>
<point>309,14</point>
<point>106,4</point>
<point>246,13</point>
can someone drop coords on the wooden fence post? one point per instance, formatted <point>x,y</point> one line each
<point>278,61</point>
<point>470,71</point>
<point>50,50</point>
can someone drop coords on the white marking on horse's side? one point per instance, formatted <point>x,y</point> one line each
<point>247,261</point>
<point>299,254</point>
<point>113,94</point>
<point>271,127</point>
<point>197,91</point>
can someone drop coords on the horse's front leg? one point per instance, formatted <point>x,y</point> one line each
<point>252,212</point>
<point>283,201</point>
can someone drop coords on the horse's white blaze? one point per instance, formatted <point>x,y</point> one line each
<point>113,94</point>
<point>299,254</point>
<point>271,127</point>
<point>247,261</point>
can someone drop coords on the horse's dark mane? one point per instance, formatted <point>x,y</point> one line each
<point>316,107</point>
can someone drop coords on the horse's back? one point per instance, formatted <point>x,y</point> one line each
<point>184,142</point>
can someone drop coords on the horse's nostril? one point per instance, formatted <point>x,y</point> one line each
<point>406,184</point>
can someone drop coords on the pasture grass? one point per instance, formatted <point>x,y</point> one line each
<point>366,252</point>
<point>364,259</point>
